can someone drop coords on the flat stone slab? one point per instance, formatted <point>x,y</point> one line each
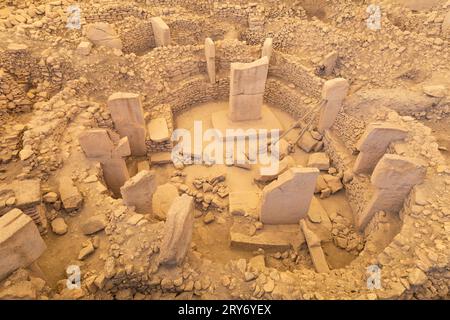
<point>161,158</point>
<point>222,122</point>
<point>271,237</point>
<point>158,130</point>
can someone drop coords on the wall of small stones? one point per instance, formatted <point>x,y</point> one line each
<point>18,61</point>
<point>161,111</point>
<point>231,50</point>
<point>192,92</point>
<point>359,189</point>
<point>286,98</point>
<point>289,68</point>
<point>136,35</point>
<point>94,12</point>
<point>13,96</point>
<point>349,129</point>
<point>29,70</point>
<point>43,134</point>
<point>11,143</point>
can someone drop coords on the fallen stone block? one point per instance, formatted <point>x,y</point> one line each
<point>59,226</point>
<point>94,224</point>
<point>315,249</point>
<point>103,34</point>
<point>307,143</point>
<point>70,196</point>
<point>271,237</point>
<point>20,242</point>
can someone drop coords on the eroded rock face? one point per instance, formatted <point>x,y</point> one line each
<point>103,34</point>
<point>177,231</point>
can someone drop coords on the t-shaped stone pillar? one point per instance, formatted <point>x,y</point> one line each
<point>373,145</point>
<point>210,54</point>
<point>333,92</point>
<point>247,85</point>
<point>393,178</point>
<point>138,191</point>
<point>109,150</point>
<point>128,117</point>
<point>287,199</point>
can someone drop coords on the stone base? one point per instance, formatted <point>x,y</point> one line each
<point>221,121</point>
<point>271,237</point>
<point>161,158</point>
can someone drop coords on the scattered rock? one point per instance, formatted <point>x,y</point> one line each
<point>59,226</point>
<point>94,224</point>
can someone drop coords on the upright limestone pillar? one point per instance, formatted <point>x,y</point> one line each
<point>333,92</point>
<point>161,32</point>
<point>287,199</point>
<point>247,85</point>
<point>138,191</point>
<point>98,145</point>
<point>267,48</point>
<point>128,117</point>
<point>393,179</point>
<point>210,54</point>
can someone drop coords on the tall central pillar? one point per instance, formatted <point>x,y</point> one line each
<point>247,85</point>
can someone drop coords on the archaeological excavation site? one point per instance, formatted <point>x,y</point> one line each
<point>224,150</point>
